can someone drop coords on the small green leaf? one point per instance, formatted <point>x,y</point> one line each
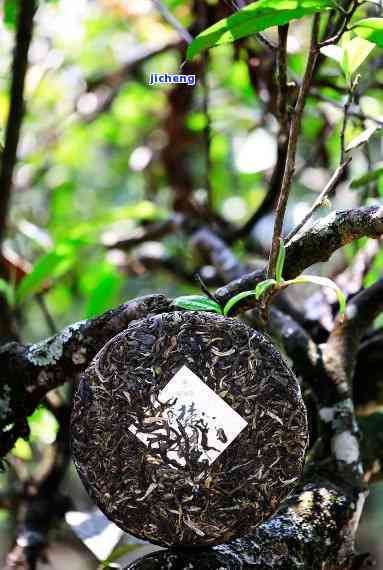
<point>197,303</point>
<point>367,178</point>
<point>280,261</point>
<point>10,13</point>
<point>8,291</point>
<point>51,265</point>
<point>118,553</point>
<point>370,29</point>
<point>234,300</point>
<point>22,450</point>
<point>263,286</point>
<point>254,18</point>
<point>323,282</point>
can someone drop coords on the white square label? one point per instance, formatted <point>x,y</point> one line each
<point>190,422</point>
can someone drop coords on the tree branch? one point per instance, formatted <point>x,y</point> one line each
<point>317,244</point>
<point>38,368</point>
<point>292,147</point>
<point>16,110</point>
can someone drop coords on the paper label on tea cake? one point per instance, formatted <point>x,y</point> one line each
<point>190,422</point>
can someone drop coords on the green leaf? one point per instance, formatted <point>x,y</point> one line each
<point>323,282</point>
<point>254,18</point>
<point>22,450</point>
<point>103,294</point>
<point>280,261</point>
<point>362,138</point>
<point>263,286</point>
<point>197,303</point>
<point>333,51</point>
<point>234,300</point>
<point>354,54</point>
<point>10,13</point>
<point>370,29</point>
<point>118,553</point>
<point>51,265</point>
<point>367,178</point>
<point>8,291</point>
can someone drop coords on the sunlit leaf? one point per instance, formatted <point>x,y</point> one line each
<point>333,51</point>
<point>323,282</point>
<point>43,426</point>
<point>254,18</point>
<point>355,53</point>
<point>197,303</point>
<point>370,29</point>
<point>22,450</point>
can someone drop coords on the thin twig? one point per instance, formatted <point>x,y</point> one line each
<point>207,130</point>
<point>351,112</point>
<point>283,32</point>
<point>346,116</point>
<point>348,14</point>
<point>173,21</point>
<point>46,313</point>
<point>16,110</point>
<point>331,184</point>
<point>292,146</point>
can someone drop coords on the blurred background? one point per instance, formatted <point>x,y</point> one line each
<point>103,157</point>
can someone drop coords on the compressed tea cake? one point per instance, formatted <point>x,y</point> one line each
<point>188,428</point>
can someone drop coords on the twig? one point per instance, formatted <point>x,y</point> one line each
<point>346,116</point>
<point>351,112</point>
<point>283,32</point>
<point>173,21</point>
<point>275,182</point>
<point>207,130</point>
<point>348,14</point>
<point>46,313</point>
<point>16,110</point>
<point>331,184</point>
<point>292,147</point>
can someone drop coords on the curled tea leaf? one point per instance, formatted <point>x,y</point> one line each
<point>323,282</point>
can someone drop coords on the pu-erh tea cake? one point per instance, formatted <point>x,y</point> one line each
<point>188,429</point>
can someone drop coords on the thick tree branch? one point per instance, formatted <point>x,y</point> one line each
<point>314,530</point>
<point>341,350</point>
